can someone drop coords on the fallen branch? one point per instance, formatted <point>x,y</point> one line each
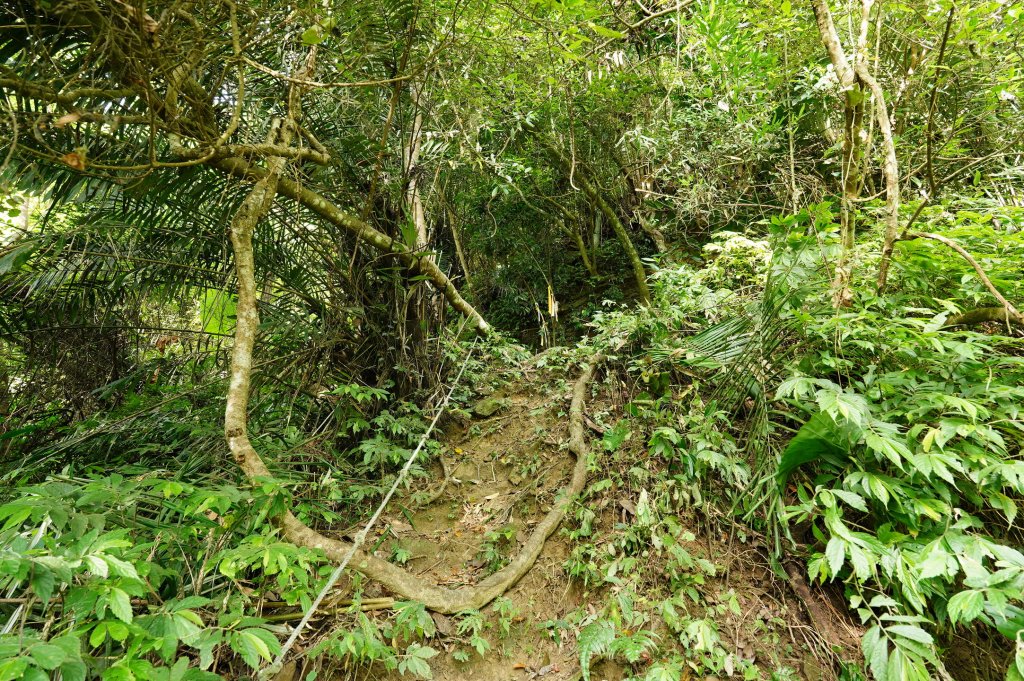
<point>1010,313</point>
<point>982,315</point>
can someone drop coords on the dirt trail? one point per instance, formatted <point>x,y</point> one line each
<point>503,471</point>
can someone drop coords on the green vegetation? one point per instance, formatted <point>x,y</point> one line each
<point>592,339</point>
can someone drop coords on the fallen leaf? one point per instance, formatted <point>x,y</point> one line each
<point>442,623</point>
<point>400,528</point>
<point>74,159</point>
<point>66,119</point>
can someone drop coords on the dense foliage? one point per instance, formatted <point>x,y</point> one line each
<point>247,247</point>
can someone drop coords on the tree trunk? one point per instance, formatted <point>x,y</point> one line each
<point>853,122</point>
<point>594,194</point>
<point>413,202</point>
<point>577,239</point>
<point>318,204</point>
<point>254,207</point>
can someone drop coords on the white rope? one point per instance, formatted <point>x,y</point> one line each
<point>361,537</point>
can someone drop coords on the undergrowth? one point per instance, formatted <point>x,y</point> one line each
<point>873,443</point>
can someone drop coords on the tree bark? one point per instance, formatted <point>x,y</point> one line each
<point>853,145</point>
<point>318,204</point>
<point>890,169</point>
<point>415,212</point>
<point>592,192</point>
<point>982,315</point>
<point>254,208</point>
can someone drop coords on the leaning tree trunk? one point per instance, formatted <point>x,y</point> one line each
<point>315,202</point>
<point>594,194</point>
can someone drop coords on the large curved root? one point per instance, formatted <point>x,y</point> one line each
<point>407,585</point>
<point>445,600</point>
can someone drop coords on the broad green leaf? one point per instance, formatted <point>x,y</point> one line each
<point>913,633</point>
<point>47,656</point>
<point>821,438</point>
<point>120,604</point>
<point>835,552</point>
<point>12,669</point>
<point>876,652</point>
<point>14,259</point>
<point>965,606</point>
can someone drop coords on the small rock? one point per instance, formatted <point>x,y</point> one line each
<point>488,407</point>
<point>442,623</point>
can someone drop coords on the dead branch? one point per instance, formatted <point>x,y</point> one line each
<point>1011,312</point>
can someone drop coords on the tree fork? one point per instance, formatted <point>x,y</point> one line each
<point>238,167</point>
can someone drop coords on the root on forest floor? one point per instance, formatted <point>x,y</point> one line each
<point>408,586</point>
<point>448,601</point>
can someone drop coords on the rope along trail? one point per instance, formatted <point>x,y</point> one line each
<point>361,537</point>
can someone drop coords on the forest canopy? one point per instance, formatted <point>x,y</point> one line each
<point>476,339</point>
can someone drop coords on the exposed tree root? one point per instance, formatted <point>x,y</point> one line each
<point>400,581</point>
<point>1009,312</point>
<point>445,600</point>
<point>436,494</point>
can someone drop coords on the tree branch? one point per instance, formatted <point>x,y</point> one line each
<point>238,167</point>
<point>1010,312</point>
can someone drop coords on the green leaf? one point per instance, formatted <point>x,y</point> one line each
<point>594,639</point>
<point>850,406</point>
<point>415,661</point>
<point>14,259</point>
<point>965,606</point>
<point>892,449</point>
<point>43,582</point>
<point>35,674</point>
<point>251,646</point>
<point>71,646</point>
<point>852,499</point>
<point>47,656</point>
<point>120,604</point>
<point>312,36</point>
<point>835,552</point>
<point>821,438</point>
<point>605,32</point>
<point>98,635</point>
<point>73,670</point>
<point>12,669</point>
<point>876,652</point>
<point>913,633</point>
